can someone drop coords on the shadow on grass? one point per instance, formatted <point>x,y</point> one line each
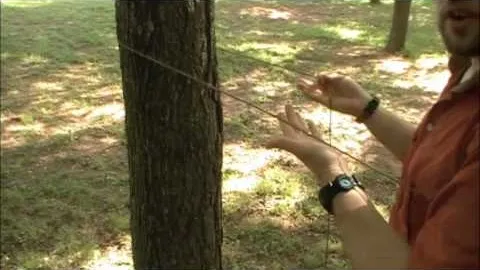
<point>64,172</point>
<point>46,44</point>
<point>62,200</point>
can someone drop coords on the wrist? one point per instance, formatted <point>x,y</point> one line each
<point>329,175</point>
<point>368,110</point>
<point>361,104</point>
<point>350,201</point>
<point>341,184</point>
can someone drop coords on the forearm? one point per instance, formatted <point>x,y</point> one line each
<point>368,240</point>
<point>394,133</point>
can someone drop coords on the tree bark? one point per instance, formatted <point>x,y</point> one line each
<point>174,133</point>
<point>399,29</point>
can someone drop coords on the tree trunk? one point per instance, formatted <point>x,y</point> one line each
<point>174,133</point>
<point>398,32</point>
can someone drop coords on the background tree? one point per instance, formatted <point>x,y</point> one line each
<point>399,29</point>
<point>374,2</point>
<point>174,133</point>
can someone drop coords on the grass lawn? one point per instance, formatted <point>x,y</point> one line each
<point>64,186</point>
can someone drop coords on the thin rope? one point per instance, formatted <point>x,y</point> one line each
<point>390,178</point>
<point>26,98</point>
<point>296,71</point>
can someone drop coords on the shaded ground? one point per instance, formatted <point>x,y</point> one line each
<point>64,188</point>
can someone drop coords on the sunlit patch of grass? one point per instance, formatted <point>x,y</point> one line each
<point>278,182</point>
<point>116,257</point>
<point>277,52</point>
<point>270,13</point>
<point>26,4</point>
<point>395,66</point>
<point>242,159</point>
<point>346,33</point>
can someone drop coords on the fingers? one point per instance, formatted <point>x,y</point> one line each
<point>313,129</point>
<point>340,104</point>
<point>318,97</point>
<point>322,88</point>
<point>322,83</point>
<point>317,91</point>
<point>306,85</point>
<point>301,123</point>
<point>287,130</point>
<point>292,124</point>
<point>309,88</point>
<point>295,119</point>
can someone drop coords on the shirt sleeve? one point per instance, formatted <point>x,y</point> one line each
<point>451,235</point>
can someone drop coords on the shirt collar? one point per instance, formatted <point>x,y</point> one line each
<point>458,65</point>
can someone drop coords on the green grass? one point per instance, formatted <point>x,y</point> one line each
<point>64,188</point>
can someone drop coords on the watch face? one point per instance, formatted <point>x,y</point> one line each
<point>345,183</point>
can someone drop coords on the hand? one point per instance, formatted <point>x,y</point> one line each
<point>337,92</point>
<point>322,160</point>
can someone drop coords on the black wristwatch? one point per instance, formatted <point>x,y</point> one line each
<point>369,110</point>
<point>341,183</point>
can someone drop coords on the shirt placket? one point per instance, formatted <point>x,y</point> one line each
<point>426,131</point>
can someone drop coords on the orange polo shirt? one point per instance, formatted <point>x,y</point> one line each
<point>438,206</point>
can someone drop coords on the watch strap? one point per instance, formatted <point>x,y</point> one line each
<point>341,183</point>
<point>369,110</point>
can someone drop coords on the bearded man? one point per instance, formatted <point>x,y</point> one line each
<point>434,223</point>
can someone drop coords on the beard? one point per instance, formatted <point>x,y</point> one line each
<point>460,40</point>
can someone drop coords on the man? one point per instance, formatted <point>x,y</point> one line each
<point>435,221</point>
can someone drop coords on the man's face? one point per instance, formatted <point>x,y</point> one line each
<point>458,21</point>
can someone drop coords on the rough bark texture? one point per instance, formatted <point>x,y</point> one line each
<point>174,134</point>
<point>398,32</point>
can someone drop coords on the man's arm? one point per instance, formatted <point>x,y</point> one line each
<point>450,237</point>
<point>368,241</point>
<point>394,133</point>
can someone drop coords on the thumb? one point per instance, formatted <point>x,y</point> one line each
<point>284,143</point>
